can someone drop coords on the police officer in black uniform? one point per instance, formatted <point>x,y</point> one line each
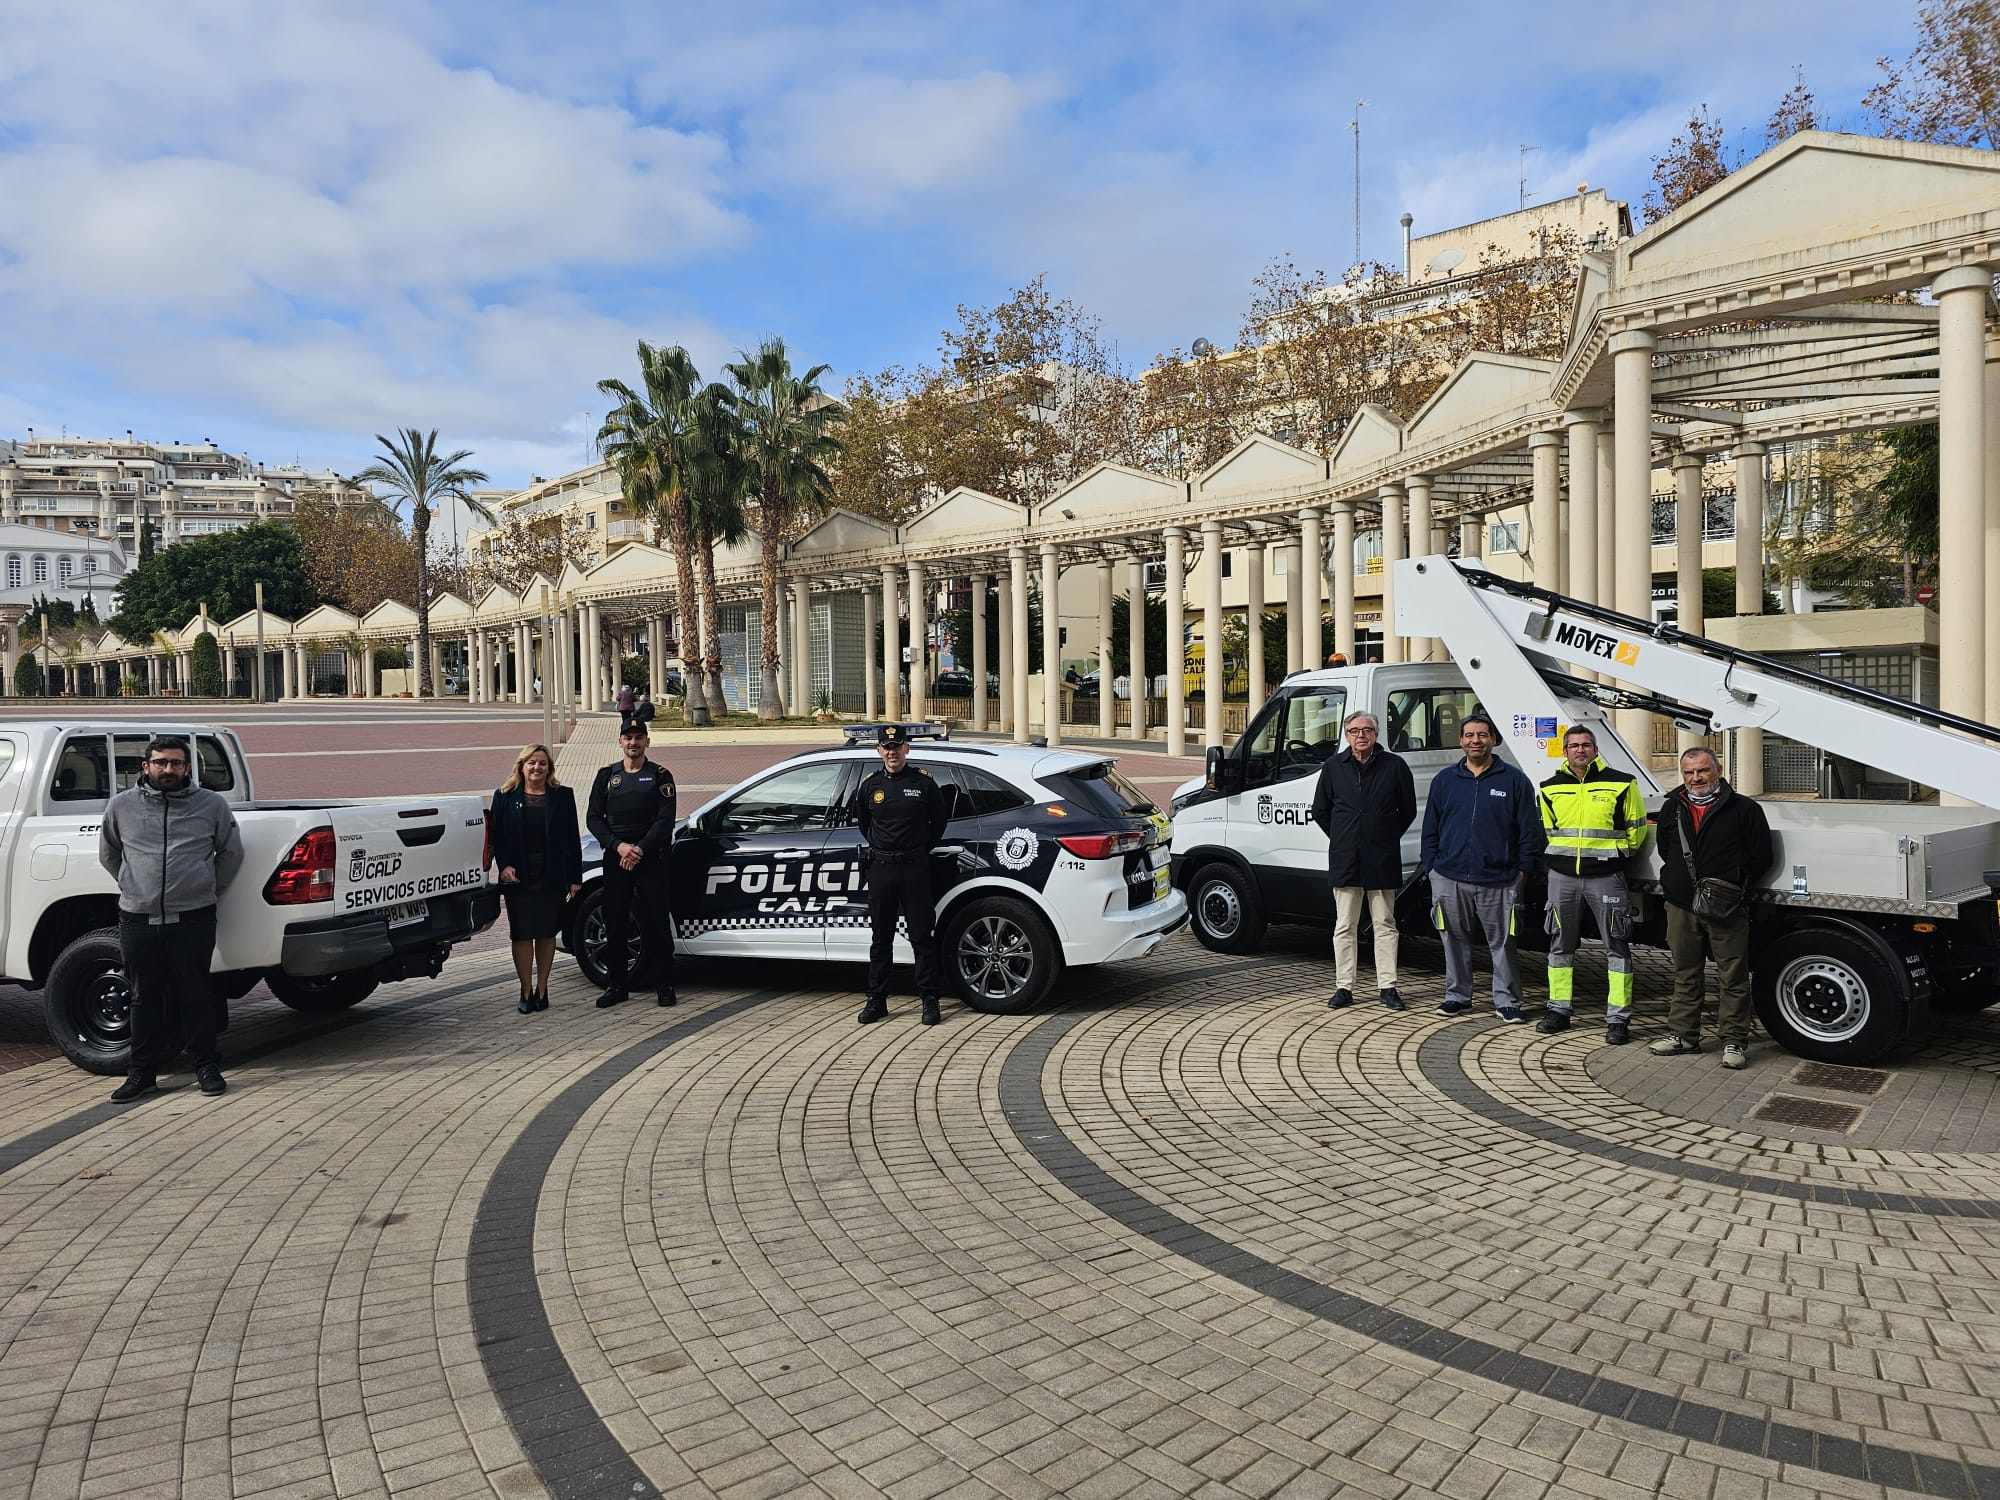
<point>631,814</point>
<point>902,814</point>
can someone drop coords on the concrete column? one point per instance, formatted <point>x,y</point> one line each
<point>1607,515</point>
<point>1689,614</point>
<point>1253,619</point>
<point>920,645</point>
<point>1176,664</point>
<point>1961,297</point>
<point>1135,645</point>
<point>1107,704</point>
<point>892,654</point>
<point>1016,685</point>
<point>1004,597</point>
<point>871,686</point>
<point>367,666</point>
<point>1545,509</point>
<point>802,694</point>
<point>1580,427</point>
<point>1392,553</point>
<point>1746,773</point>
<point>1051,643</point>
<point>1422,544</point>
<point>1342,564</point>
<point>656,656</point>
<point>1632,547</point>
<point>1314,567</point>
<point>1472,540</point>
<point>524,662</point>
<point>981,582</point>
<point>1992,460</point>
<point>1212,674</point>
<point>1295,594</point>
<point>291,672</point>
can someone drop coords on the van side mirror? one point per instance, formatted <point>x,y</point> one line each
<point>1222,774</point>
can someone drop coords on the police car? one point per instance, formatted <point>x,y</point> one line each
<point>1051,859</point>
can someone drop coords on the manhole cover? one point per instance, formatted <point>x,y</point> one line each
<point>1819,1075</point>
<point>1807,1114</point>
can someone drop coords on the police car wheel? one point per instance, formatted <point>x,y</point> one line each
<point>1223,904</point>
<point>1001,955</point>
<point>586,938</point>
<point>320,993</point>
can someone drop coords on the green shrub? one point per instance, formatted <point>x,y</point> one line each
<point>205,669</point>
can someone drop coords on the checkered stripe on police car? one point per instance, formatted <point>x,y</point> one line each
<point>696,926</point>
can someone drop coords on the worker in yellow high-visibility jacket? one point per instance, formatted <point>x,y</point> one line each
<point>1594,820</point>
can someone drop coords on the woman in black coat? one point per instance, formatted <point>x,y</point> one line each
<point>539,854</point>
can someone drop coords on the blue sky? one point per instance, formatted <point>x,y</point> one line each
<point>286,227</point>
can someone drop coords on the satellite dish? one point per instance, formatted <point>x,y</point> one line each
<point>1203,348</point>
<point>1445,260</point>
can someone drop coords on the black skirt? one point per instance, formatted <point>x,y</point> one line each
<point>532,914</point>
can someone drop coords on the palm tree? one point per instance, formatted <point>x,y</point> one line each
<point>787,440</point>
<point>720,480</point>
<point>412,469</point>
<point>652,440</point>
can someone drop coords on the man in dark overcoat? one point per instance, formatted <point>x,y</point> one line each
<point>1365,802</point>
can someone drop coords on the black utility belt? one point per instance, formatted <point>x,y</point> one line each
<point>898,856</point>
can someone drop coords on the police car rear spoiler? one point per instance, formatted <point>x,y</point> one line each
<point>867,734</point>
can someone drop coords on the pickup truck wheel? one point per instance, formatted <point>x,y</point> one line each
<point>1831,996</point>
<point>323,992</point>
<point>1222,902</point>
<point>586,939</point>
<point>1000,955</point>
<point>88,1003</point>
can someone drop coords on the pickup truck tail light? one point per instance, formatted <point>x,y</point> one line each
<point>1102,845</point>
<point>486,854</point>
<point>306,873</point>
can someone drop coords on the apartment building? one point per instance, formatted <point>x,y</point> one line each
<point>591,497</point>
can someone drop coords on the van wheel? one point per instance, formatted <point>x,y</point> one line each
<point>88,1003</point>
<point>319,994</point>
<point>1222,902</point>
<point>1834,996</point>
<point>1001,955</point>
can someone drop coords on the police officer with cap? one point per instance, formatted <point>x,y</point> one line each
<point>631,815</point>
<point>902,814</point>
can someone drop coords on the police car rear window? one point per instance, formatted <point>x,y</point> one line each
<point>1101,789</point>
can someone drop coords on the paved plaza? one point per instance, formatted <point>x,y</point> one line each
<point>1186,1232</point>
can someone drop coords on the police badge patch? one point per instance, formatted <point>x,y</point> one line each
<point>879,796</point>
<point>1017,848</point>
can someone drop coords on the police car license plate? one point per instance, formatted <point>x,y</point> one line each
<point>1160,879</point>
<point>408,913</point>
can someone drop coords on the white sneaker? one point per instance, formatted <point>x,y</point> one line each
<point>1735,1055</point>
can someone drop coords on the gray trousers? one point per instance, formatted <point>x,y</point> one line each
<point>1462,911</point>
<point>1605,898</point>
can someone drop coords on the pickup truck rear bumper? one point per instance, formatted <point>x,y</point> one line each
<point>365,940</point>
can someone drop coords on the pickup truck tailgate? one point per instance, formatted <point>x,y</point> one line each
<point>398,855</point>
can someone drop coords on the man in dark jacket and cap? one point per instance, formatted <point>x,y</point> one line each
<point>1365,802</point>
<point>1709,832</point>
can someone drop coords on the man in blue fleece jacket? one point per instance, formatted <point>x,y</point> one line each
<point>1482,836</point>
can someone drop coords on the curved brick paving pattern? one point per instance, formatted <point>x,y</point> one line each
<point>1194,1234</point>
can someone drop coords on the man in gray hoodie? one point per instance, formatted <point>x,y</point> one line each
<point>173,848</point>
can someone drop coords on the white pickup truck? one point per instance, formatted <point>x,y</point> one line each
<point>334,897</point>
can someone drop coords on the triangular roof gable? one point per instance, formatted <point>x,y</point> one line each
<point>1374,434</point>
<point>1483,386</point>
<point>749,552</point>
<point>635,562</point>
<point>448,607</point>
<point>1260,463</point>
<point>572,578</point>
<point>843,531</point>
<point>531,591</point>
<point>391,614</point>
<point>328,619</point>
<point>1111,492</point>
<point>111,640</point>
<point>966,512</point>
<point>1807,192</point>
<point>246,623</point>
<point>1593,280</point>
<point>186,633</point>
<point>498,599</point>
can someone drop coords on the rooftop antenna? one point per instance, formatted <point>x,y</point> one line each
<point>1359,105</point>
<point>1524,172</point>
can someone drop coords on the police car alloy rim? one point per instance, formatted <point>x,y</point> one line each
<point>1218,907</point>
<point>1826,1000</point>
<point>996,957</point>
<point>591,940</point>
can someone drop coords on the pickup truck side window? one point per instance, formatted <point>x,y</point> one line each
<point>1427,718</point>
<point>1296,738</point>
<point>83,774</point>
<point>215,772</point>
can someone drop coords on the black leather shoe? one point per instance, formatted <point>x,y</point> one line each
<point>877,1009</point>
<point>610,998</point>
<point>668,997</point>
<point>541,999</point>
<point>208,1078</point>
<point>527,1005</point>
<point>137,1086</point>
<point>1341,1000</point>
<point>931,1016</point>
<point>1391,1000</point>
